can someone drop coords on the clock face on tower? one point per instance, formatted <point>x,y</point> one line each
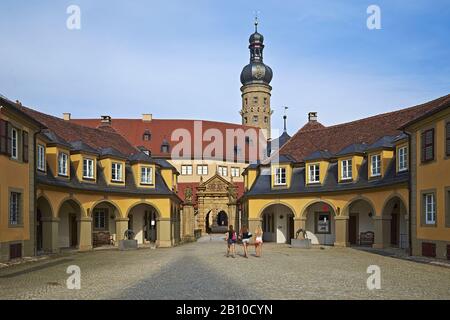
<point>259,72</point>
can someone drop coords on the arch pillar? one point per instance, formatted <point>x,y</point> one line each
<point>85,226</point>
<point>164,229</point>
<point>50,232</point>
<point>341,229</point>
<point>382,231</point>
<point>121,227</point>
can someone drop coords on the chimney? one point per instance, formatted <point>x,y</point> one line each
<point>312,116</point>
<point>147,117</point>
<point>66,116</point>
<point>106,121</point>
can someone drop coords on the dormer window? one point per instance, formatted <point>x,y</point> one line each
<point>165,148</point>
<point>88,168</point>
<point>280,176</point>
<point>402,159</point>
<point>116,172</point>
<point>147,135</point>
<point>63,164</point>
<point>314,173</point>
<point>375,165</point>
<point>146,175</point>
<point>346,169</point>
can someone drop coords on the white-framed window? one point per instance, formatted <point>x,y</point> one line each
<point>235,172</point>
<point>430,208</point>
<point>41,157</point>
<point>280,176</point>
<point>146,175</point>
<point>375,165</point>
<point>403,158</point>
<point>186,170</point>
<point>314,173</point>
<point>346,169</point>
<point>88,168</point>
<point>63,164</point>
<point>14,208</point>
<point>14,143</point>
<point>116,172</point>
<point>100,219</point>
<point>223,171</point>
<point>202,169</point>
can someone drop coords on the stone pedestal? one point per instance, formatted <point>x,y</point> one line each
<point>50,230</point>
<point>128,244</point>
<point>382,232</point>
<point>301,243</point>
<point>341,229</point>
<point>85,242</point>
<point>164,233</point>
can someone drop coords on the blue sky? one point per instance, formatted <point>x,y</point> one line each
<point>182,59</point>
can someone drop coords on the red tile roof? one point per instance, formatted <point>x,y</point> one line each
<point>72,132</point>
<point>312,125</point>
<point>368,130</point>
<point>161,129</point>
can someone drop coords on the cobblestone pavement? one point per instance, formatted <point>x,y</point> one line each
<point>201,271</point>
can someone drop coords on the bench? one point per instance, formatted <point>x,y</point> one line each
<point>102,238</point>
<point>366,238</point>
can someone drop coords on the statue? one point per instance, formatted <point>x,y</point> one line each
<point>302,232</point>
<point>232,194</point>
<point>129,234</point>
<point>188,195</point>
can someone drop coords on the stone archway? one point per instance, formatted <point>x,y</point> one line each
<point>320,223</point>
<point>143,219</point>
<point>395,208</point>
<point>69,215</point>
<point>215,197</point>
<point>107,225</point>
<point>361,222</point>
<point>277,223</point>
<point>44,223</point>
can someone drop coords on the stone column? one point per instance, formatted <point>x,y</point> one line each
<point>121,227</point>
<point>188,223</point>
<point>163,227</point>
<point>85,240</point>
<point>50,232</point>
<point>341,230</point>
<point>232,217</point>
<point>382,231</point>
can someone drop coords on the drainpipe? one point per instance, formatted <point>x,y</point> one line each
<point>35,189</point>
<point>409,194</point>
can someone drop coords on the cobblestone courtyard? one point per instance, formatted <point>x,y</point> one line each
<point>201,271</point>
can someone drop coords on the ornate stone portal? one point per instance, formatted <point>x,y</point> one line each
<point>216,200</point>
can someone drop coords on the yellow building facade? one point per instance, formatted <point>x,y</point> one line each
<point>430,182</point>
<point>17,187</point>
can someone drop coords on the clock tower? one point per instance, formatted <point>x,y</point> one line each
<point>256,89</point>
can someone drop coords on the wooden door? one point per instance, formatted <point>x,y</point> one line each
<point>73,230</point>
<point>394,229</point>
<point>352,229</point>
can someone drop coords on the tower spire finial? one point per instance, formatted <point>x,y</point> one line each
<point>256,21</point>
<point>285,119</point>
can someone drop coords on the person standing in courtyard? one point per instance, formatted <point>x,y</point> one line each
<point>231,239</point>
<point>258,241</point>
<point>245,236</point>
